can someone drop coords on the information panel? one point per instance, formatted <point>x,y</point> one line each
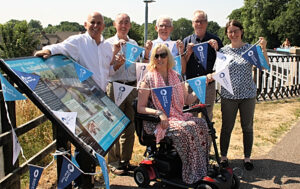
<point>61,87</point>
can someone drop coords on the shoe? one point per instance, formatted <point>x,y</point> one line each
<point>224,163</point>
<point>248,166</point>
<point>118,171</point>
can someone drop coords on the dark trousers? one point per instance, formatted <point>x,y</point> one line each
<point>229,108</point>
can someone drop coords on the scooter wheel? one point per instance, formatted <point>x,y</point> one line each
<point>204,186</point>
<point>235,182</point>
<point>141,177</point>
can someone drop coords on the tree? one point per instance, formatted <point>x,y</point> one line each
<point>182,28</point>
<point>274,20</point>
<point>17,40</point>
<point>286,25</point>
<point>213,27</point>
<point>35,26</point>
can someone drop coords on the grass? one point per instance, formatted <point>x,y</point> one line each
<point>272,120</point>
<point>34,140</point>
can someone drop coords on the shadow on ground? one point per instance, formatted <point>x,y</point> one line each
<point>267,173</point>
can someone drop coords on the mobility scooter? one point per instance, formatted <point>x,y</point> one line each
<point>163,165</point>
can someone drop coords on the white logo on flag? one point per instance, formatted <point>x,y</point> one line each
<point>70,167</point>
<point>163,92</point>
<point>200,48</point>
<point>250,53</point>
<point>36,173</point>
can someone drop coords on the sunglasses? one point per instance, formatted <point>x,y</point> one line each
<point>162,55</point>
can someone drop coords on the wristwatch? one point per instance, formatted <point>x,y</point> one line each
<point>158,112</point>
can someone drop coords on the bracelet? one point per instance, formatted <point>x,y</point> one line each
<point>158,112</point>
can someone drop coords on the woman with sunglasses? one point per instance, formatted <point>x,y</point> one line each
<point>189,134</point>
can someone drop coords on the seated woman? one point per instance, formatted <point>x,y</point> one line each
<point>189,134</point>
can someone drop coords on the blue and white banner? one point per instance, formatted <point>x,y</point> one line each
<point>30,79</point>
<point>262,58</point>
<point>141,70</point>
<point>252,56</point>
<point>223,78</point>
<point>16,146</point>
<point>68,173</point>
<point>222,61</point>
<point>68,118</point>
<point>9,92</point>
<point>164,96</point>
<point>121,91</point>
<point>177,66</point>
<point>201,52</point>
<point>198,84</point>
<point>104,169</point>
<point>35,175</point>
<point>132,53</point>
<point>82,73</point>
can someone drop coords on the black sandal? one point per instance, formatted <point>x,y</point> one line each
<point>224,163</point>
<point>248,166</point>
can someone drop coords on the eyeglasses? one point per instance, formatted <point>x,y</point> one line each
<point>200,21</point>
<point>162,55</point>
<point>164,26</point>
<point>233,31</point>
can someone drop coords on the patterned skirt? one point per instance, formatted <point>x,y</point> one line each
<point>190,139</point>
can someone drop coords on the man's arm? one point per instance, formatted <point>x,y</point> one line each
<point>45,53</point>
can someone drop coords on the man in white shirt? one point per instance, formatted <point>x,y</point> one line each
<point>91,51</point>
<point>120,154</point>
<point>164,28</point>
<point>88,49</point>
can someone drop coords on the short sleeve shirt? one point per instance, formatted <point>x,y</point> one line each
<point>240,71</point>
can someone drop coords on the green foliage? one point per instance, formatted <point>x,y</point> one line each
<point>35,26</point>
<point>182,28</point>
<point>17,40</point>
<point>275,20</point>
<point>65,26</point>
<point>213,27</point>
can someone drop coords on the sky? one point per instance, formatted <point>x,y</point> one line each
<point>55,11</point>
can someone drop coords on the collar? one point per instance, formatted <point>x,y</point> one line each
<point>161,40</point>
<point>88,35</point>
<point>116,37</point>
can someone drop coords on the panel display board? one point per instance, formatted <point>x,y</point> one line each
<point>61,86</point>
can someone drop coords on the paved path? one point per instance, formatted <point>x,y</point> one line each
<point>280,168</point>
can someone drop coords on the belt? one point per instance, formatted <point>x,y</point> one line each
<point>131,83</point>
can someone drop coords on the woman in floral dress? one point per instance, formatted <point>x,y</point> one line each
<point>189,134</point>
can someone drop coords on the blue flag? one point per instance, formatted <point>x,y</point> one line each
<point>30,79</point>
<point>198,85</point>
<point>73,159</point>
<point>104,169</point>
<point>82,72</point>
<point>68,173</point>
<point>262,58</point>
<point>177,66</point>
<point>164,96</point>
<point>9,92</point>
<point>252,56</point>
<point>201,52</point>
<point>35,175</point>
<point>132,53</point>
